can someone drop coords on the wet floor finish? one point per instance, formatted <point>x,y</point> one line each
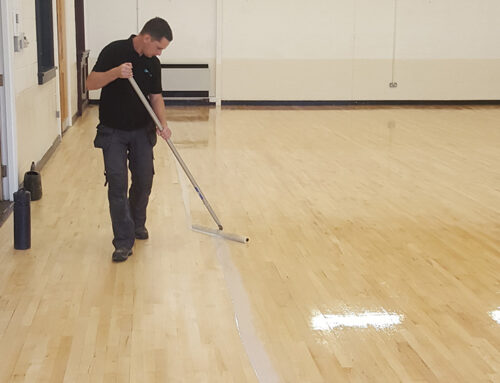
<point>373,254</point>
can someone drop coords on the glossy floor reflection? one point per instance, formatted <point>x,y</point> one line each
<point>374,254</point>
<point>379,320</point>
<point>495,315</point>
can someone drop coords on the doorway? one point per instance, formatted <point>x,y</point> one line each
<point>61,38</point>
<point>2,112</point>
<point>82,56</point>
<point>8,134</point>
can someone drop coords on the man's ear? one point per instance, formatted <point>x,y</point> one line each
<point>147,38</point>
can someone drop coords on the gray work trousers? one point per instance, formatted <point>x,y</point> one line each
<point>128,213</point>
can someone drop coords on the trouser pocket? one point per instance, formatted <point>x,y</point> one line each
<point>103,136</point>
<point>152,137</point>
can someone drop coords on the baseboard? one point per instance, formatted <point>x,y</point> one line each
<point>361,102</point>
<point>40,164</point>
<point>186,94</point>
<point>196,102</point>
<point>187,102</point>
<point>73,120</point>
<point>6,207</point>
<point>65,124</point>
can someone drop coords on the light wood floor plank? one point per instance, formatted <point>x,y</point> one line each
<point>355,215</point>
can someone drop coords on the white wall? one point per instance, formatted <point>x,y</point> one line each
<point>342,49</point>
<point>31,119</point>
<point>36,105</point>
<point>324,49</point>
<point>7,106</point>
<point>193,23</point>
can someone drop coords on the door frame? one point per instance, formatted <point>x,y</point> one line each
<point>62,62</point>
<point>8,130</point>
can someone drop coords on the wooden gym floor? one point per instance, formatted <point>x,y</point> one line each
<point>373,255</point>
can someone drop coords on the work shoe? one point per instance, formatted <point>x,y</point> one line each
<point>141,233</point>
<point>120,255</point>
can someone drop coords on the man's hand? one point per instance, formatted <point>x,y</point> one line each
<point>166,133</point>
<point>124,70</point>
<point>98,80</point>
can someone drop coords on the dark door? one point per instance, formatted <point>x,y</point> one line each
<point>82,56</point>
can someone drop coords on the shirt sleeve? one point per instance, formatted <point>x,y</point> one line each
<point>105,60</point>
<point>156,71</point>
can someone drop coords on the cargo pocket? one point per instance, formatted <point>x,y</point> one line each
<point>152,136</point>
<point>103,137</point>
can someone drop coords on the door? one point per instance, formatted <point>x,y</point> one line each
<point>1,106</point>
<point>1,112</point>
<point>82,56</point>
<point>61,38</point>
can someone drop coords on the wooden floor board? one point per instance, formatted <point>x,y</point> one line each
<point>373,255</point>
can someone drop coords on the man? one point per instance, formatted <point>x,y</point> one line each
<point>126,130</point>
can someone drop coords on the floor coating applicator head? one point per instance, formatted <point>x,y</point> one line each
<point>220,233</point>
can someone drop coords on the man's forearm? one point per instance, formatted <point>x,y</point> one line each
<point>159,108</point>
<point>97,80</point>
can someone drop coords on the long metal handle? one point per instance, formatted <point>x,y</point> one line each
<point>176,153</point>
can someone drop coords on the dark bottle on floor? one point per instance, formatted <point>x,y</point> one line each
<point>33,183</point>
<point>22,220</point>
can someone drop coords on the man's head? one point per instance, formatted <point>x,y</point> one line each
<point>155,35</point>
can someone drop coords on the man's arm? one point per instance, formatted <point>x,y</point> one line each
<point>97,80</point>
<point>159,108</point>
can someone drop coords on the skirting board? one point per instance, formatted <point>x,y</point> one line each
<point>362,102</point>
<point>299,103</point>
<point>6,207</point>
<point>40,164</point>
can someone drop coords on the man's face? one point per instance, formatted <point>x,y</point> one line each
<point>153,47</point>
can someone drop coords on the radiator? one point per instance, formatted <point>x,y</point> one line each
<point>185,81</point>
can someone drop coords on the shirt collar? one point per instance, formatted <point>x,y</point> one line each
<point>131,45</point>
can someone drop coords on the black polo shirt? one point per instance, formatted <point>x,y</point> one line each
<point>120,107</point>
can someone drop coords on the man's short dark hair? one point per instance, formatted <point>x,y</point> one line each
<point>157,28</point>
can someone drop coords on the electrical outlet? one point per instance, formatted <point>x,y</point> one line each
<point>393,85</point>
